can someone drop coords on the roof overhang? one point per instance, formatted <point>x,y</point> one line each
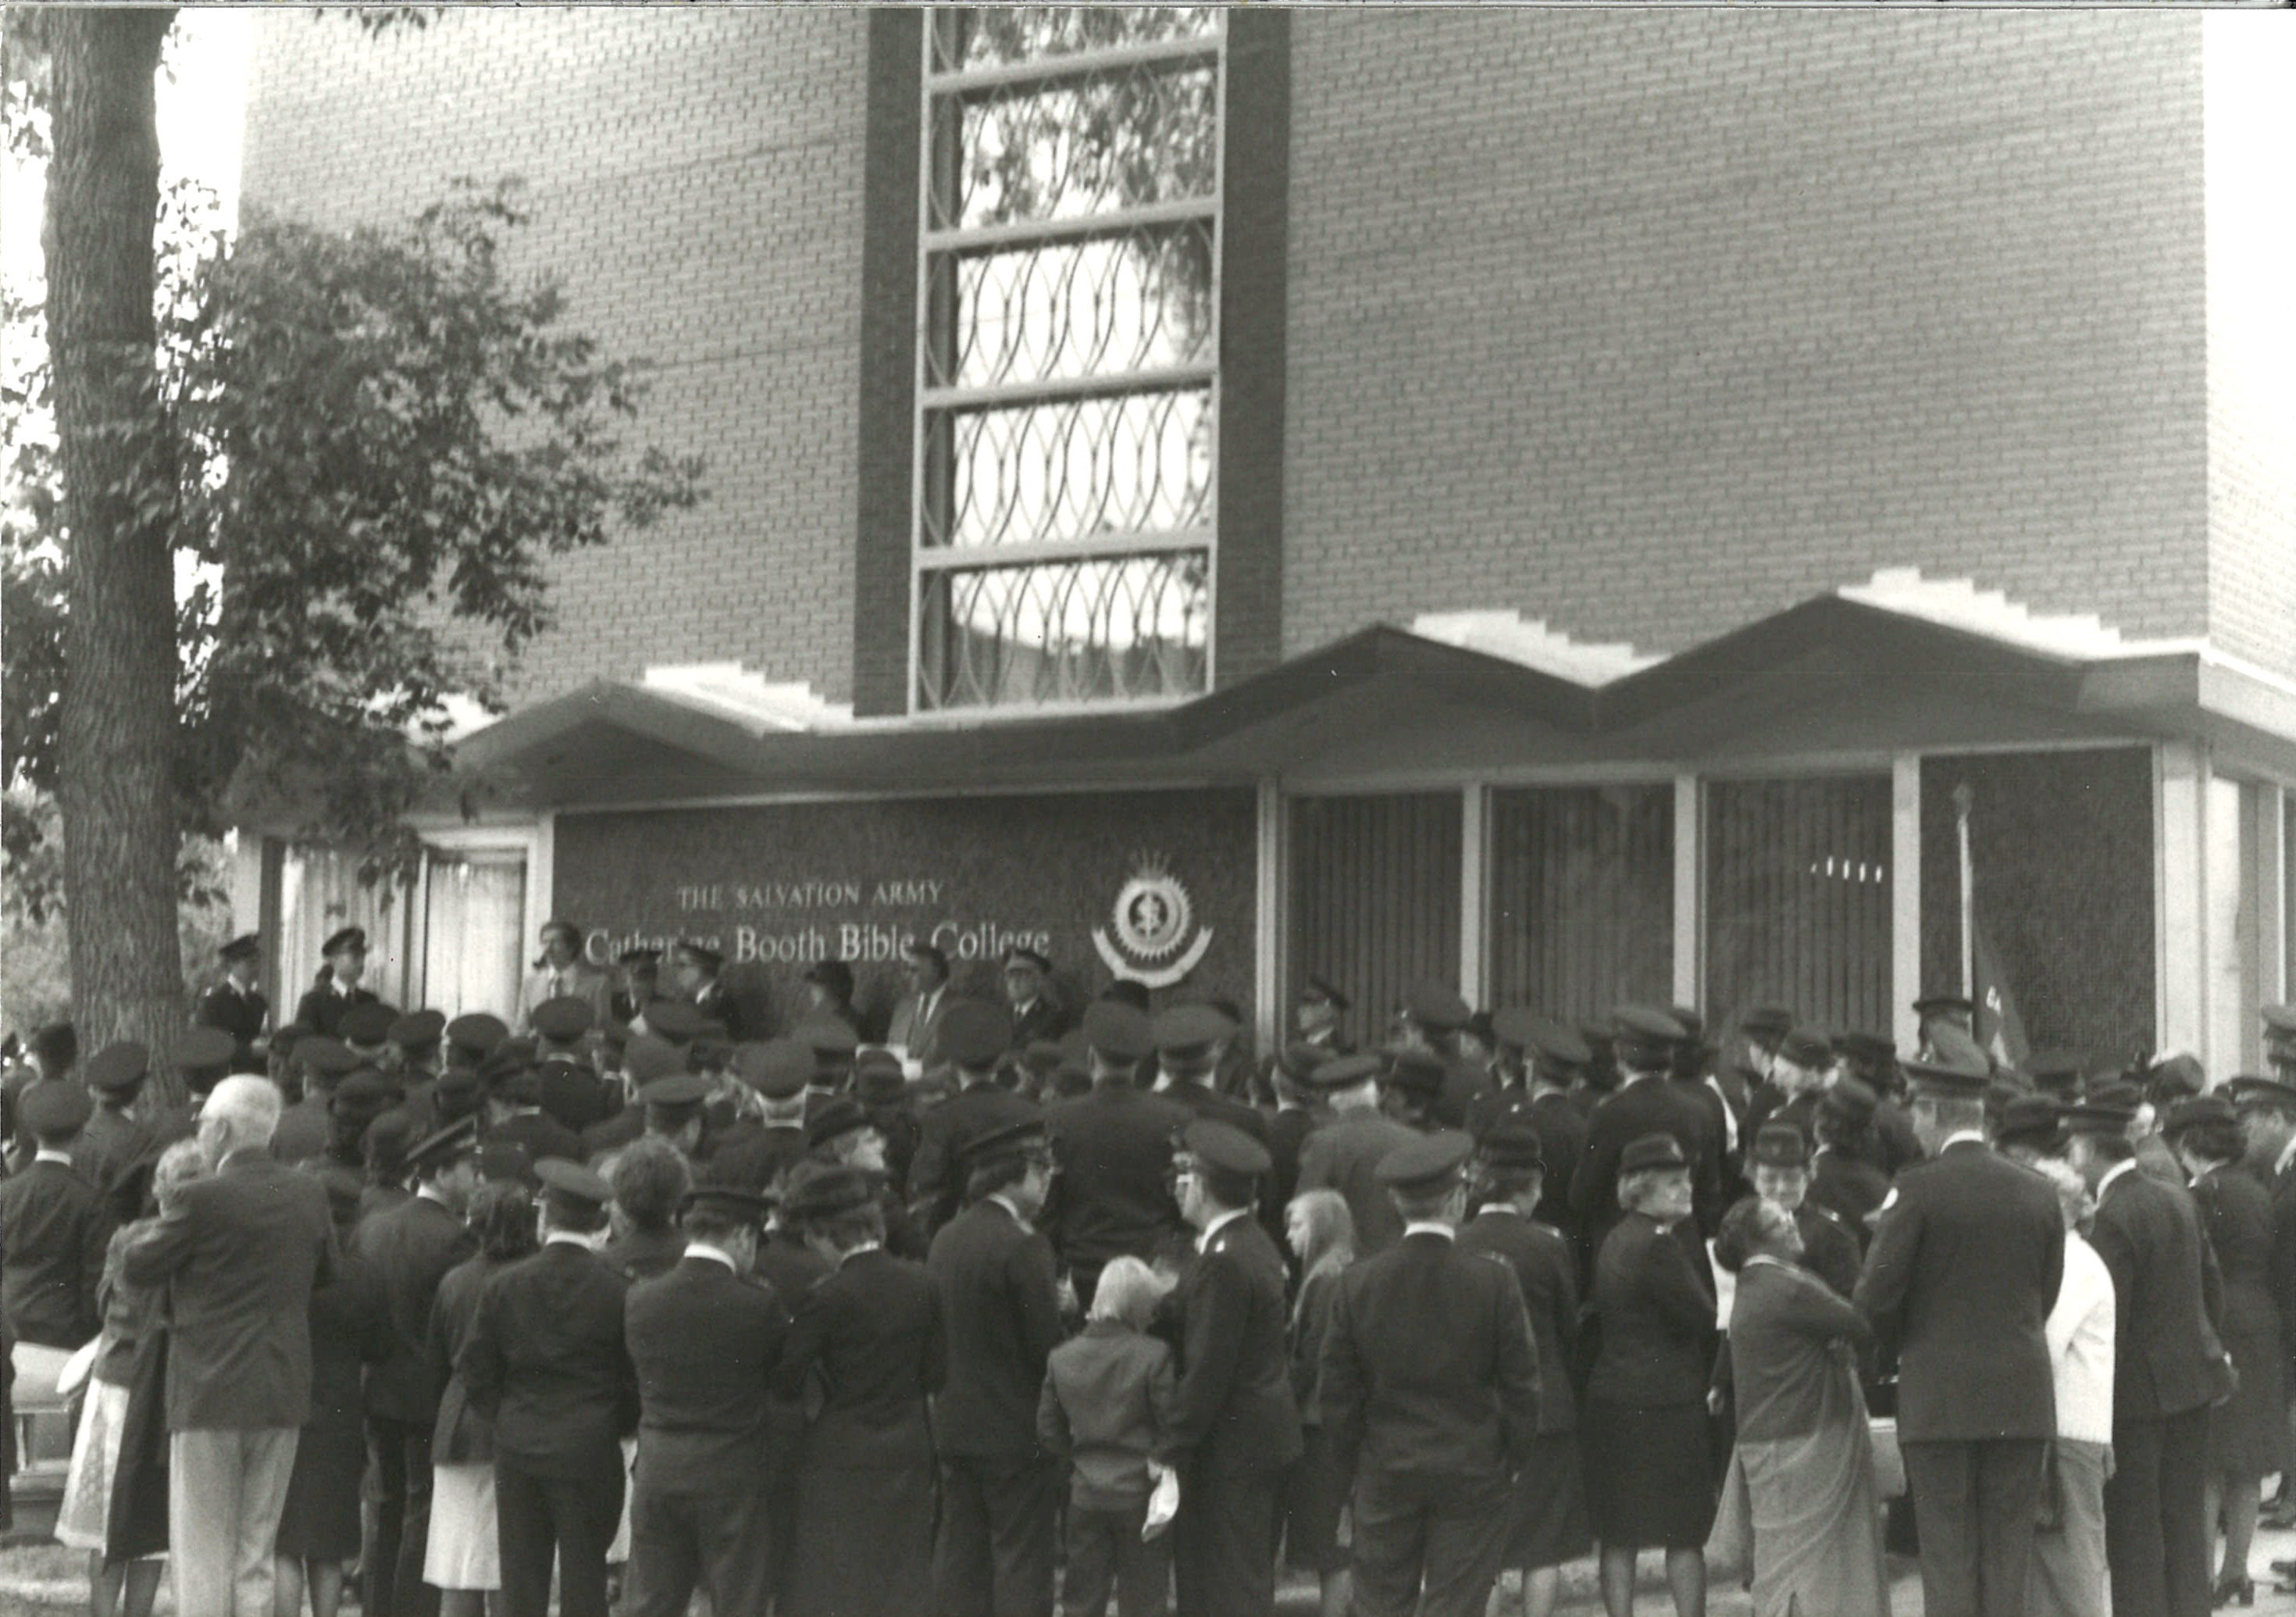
<point>1831,675</point>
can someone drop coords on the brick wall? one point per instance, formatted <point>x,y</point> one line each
<point>1652,323</point>
<point>696,176</point>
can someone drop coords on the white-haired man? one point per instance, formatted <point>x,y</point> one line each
<point>239,1253</point>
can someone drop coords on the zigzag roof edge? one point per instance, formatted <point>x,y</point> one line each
<point>1507,635</point>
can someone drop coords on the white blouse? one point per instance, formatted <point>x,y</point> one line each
<point>2081,1345</point>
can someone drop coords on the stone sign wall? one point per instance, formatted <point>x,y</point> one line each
<point>1153,885</point>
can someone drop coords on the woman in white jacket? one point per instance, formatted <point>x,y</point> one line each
<point>2068,1576</point>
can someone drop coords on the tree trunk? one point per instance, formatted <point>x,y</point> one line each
<point>117,721</point>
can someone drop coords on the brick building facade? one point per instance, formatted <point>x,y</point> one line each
<point>1709,401</point>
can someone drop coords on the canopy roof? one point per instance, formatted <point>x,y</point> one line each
<point>1901,664</point>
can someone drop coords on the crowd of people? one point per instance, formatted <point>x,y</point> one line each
<point>1037,1303</point>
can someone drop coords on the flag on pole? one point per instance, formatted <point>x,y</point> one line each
<point>1999,1029</point>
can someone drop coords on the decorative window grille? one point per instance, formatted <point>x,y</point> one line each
<point>1068,382</point>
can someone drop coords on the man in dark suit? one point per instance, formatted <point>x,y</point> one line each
<point>547,1363</point>
<point>1298,1115</point>
<point>1000,1306</point>
<point>704,1339</point>
<point>513,1081</point>
<point>1645,1103</point>
<point>778,1070</point>
<point>1345,1153</point>
<point>1430,1392</point>
<point>1188,1040</point>
<point>1113,1197</point>
<point>1234,1428</point>
<point>54,1224</point>
<point>1036,1010</point>
<point>408,1249</point>
<point>321,1009</point>
<point>974,1037</point>
<point>2168,1366</point>
<point>915,1026</point>
<point>1559,1060</point>
<point>1317,1019</point>
<point>238,1254</point>
<point>236,1006</point>
<point>1963,1271</point>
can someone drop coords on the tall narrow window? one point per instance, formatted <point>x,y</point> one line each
<point>1068,382</point>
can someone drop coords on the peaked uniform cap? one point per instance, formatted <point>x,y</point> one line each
<point>1119,1032</point>
<point>1866,1049</point>
<point>458,1138</point>
<point>1516,1026</point>
<point>1931,1005</point>
<point>417,1030</point>
<point>1186,1030</point>
<point>728,1200</point>
<point>324,1057</point>
<point>1771,1021</point>
<point>1224,1147</point>
<point>709,959</point>
<point>1955,1065</point>
<point>777,1069</point>
<point>2031,1120</point>
<point>1299,1060</point>
<point>367,1023</point>
<point>2249,1093</point>
<point>1513,1142</point>
<point>1850,1100</point>
<point>1323,988</point>
<point>973,1032</point>
<point>1418,1071</point>
<point>1807,1047</point>
<point>1653,1151</point>
<point>1780,1145</point>
<point>245,947</point>
<point>349,937</point>
<point>648,1059</point>
<point>2201,1111</point>
<point>817,1191</point>
<point>1645,1024</point>
<point>673,1020</point>
<point>54,1106</point>
<point>572,1182</point>
<point>1020,1138</point>
<point>827,1036</point>
<point>565,1018</point>
<point>679,1091</point>
<point>834,1119</point>
<point>1557,1046</point>
<point>203,1048</point>
<point>1434,1006</point>
<point>477,1033</point>
<point>1429,1160</point>
<point>124,1064</point>
<point>1343,1071</point>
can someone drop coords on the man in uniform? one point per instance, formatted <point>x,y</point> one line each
<point>1840,1176</point>
<point>1430,1392</point>
<point>116,1135</point>
<point>778,1070</point>
<point>1114,1147</point>
<point>408,1249</point>
<point>1433,1017</point>
<point>1345,1153</point>
<point>974,1036</point>
<point>697,966</point>
<point>1036,1012</point>
<point>236,1006</point>
<point>1939,1009</point>
<point>1188,1038</point>
<point>321,1009</point>
<point>704,1340</point>
<point>1781,1173</point>
<point>637,978</point>
<point>1645,1103</point>
<point>2169,1365</point>
<point>547,1361</point>
<point>1297,1116</point>
<point>54,1224</point>
<point>2280,1040</point>
<point>2267,1108</point>
<point>305,1128</point>
<point>1233,1427</point>
<point>1000,1309</point>
<point>1964,1272</point>
<point>515,1106</point>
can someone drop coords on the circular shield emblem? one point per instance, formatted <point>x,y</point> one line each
<point>1153,914</point>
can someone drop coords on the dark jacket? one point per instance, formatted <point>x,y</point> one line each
<point>1648,1105</point>
<point>705,1342</point>
<point>461,1436</point>
<point>1232,1409</point>
<point>539,1134</point>
<point>644,1254</point>
<point>866,1348</point>
<point>1428,1367</point>
<point>1964,1269</point>
<point>1344,1156</point>
<point>1201,1100</point>
<point>409,1248</point>
<point>1543,1268</point>
<point>546,1362</point>
<point>1828,1249</point>
<point>1657,1319</point>
<point>240,1014</point>
<point>54,1225</point>
<point>2236,1214</point>
<point>240,1256</point>
<point>1849,1186</point>
<point>1113,1198</point>
<point>1000,1310</point>
<point>2167,1300</point>
<point>752,1161</point>
<point>321,1009</point>
<point>348,1332</point>
<point>111,1142</point>
<point>1563,1146</point>
<point>937,1175</point>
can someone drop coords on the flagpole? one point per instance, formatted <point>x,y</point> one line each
<point>1962,798</point>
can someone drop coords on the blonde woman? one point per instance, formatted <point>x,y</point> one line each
<point>1321,1232</point>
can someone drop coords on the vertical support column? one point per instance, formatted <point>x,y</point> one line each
<point>1689,879</point>
<point>2272,895</point>
<point>1474,895</point>
<point>1270,922</point>
<point>541,874</point>
<point>2180,942</point>
<point>1904,898</point>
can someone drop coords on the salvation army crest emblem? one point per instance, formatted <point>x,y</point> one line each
<point>1154,938</point>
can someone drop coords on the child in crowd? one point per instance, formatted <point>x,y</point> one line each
<point>1108,1395</point>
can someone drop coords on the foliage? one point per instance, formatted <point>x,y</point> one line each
<point>34,942</point>
<point>375,441</point>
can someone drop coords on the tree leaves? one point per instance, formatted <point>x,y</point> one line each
<point>373,443</point>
